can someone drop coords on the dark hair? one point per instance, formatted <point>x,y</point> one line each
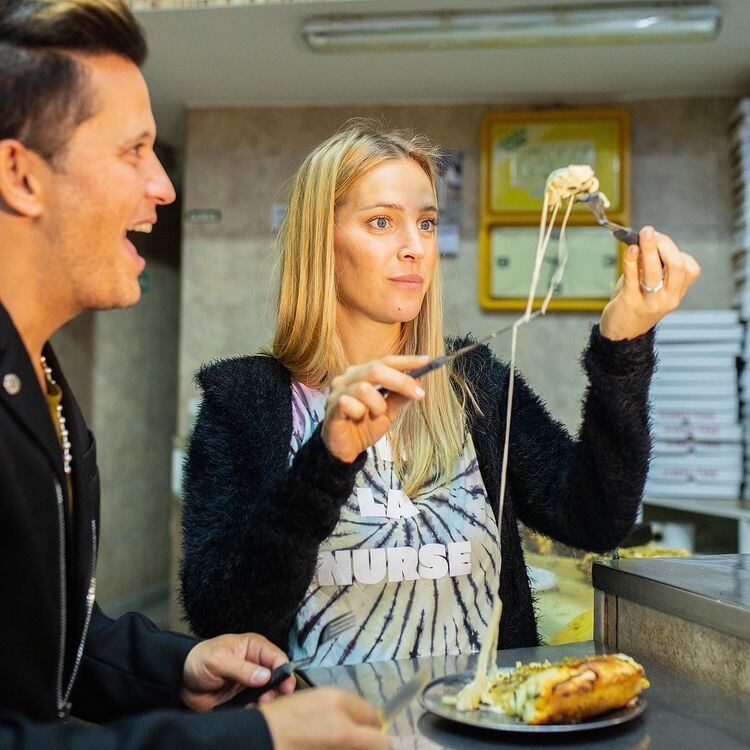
<point>44,92</point>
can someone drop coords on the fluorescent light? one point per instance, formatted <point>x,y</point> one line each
<point>644,23</point>
<point>661,22</point>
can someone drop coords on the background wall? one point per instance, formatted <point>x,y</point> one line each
<point>239,159</point>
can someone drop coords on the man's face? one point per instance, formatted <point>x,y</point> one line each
<point>109,182</point>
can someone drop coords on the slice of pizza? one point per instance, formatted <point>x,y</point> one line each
<point>568,691</point>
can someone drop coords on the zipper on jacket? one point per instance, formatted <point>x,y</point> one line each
<point>63,696</point>
<point>62,710</point>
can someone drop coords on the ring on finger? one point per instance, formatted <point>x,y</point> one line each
<point>653,289</point>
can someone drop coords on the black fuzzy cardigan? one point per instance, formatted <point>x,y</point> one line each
<point>252,525</point>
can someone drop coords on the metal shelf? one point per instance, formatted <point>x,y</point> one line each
<point>709,507</point>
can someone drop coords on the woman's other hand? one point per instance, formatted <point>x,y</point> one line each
<point>658,265</point>
<point>357,414</point>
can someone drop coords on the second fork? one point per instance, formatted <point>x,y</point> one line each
<point>334,628</point>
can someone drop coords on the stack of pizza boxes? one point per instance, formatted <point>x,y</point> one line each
<point>740,178</point>
<point>740,181</point>
<point>698,445</point>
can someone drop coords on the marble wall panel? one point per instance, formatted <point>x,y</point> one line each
<point>74,346</point>
<point>684,647</point>
<point>134,416</point>
<point>122,366</point>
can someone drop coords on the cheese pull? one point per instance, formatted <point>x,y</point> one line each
<point>570,690</point>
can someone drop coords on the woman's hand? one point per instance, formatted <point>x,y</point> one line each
<point>633,310</point>
<point>357,415</point>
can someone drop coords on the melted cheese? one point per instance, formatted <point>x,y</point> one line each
<point>562,185</point>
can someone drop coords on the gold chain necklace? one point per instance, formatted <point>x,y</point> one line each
<point>66,444</point>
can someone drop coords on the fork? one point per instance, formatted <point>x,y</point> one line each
<point>334,628</point>
<point>596,205</point>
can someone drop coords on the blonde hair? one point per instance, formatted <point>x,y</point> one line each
<point>428,437</point>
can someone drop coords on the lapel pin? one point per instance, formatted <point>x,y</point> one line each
<point>12,384</point>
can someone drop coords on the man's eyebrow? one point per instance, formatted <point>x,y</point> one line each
<point>397,207</point>
<point>145,135</point>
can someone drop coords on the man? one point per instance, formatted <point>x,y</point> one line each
<point>77,171</point>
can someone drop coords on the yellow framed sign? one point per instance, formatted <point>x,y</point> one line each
<point>591,270</point>
<point>519,150</point>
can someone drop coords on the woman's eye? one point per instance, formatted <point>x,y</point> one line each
<point>380,222</point>
<point>427,225</point>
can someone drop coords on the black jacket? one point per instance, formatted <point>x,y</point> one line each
<point>47,574</point>
<point>251,524</point>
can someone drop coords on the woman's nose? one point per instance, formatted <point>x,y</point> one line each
<point>411,244</point>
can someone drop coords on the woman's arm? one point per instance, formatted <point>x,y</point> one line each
<point>252,526</point>
<point>586,492</point>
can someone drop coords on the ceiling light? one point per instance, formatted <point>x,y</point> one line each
<point>658,22</point>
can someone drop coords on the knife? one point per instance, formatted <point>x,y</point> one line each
<point>403,697</point>
<point>445,358</point>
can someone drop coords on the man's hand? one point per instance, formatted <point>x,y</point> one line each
<point>217,669</point>
<point>324,719</point>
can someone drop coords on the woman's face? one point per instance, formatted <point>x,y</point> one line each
<point>385,242</point>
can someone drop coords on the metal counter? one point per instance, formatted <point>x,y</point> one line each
<point>681,714</point>
<point>711,590</point>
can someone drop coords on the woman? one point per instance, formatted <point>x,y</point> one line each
<point>308,494</point>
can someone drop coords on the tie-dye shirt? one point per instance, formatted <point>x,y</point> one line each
<point>418,573</point>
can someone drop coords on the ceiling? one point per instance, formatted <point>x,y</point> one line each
<point>255,56</point>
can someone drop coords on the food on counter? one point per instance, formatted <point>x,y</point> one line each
<point>562,692</point>
<point>580,628</point>
<point>644,550</point>
<point>571,690</point>
<point>538,543</point>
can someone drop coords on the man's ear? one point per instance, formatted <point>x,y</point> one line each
<point>20,183</point>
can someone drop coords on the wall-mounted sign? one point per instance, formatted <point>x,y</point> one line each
<point>591,270</point>
<point>519,150</point>
<point>450,184</point>
<point>202,216</point>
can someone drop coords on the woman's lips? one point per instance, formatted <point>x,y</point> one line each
<point>410,281</point>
